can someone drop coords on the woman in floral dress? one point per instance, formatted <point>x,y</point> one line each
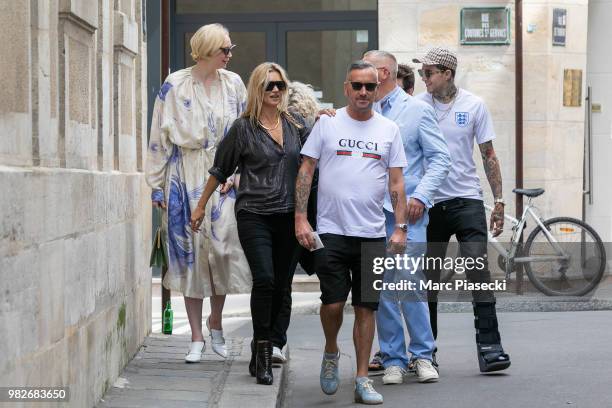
<point>193,111</point>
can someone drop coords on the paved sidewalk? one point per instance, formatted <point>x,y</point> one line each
<point>159,377</point>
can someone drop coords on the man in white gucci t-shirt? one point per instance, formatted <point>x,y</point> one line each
<point>360,155</point>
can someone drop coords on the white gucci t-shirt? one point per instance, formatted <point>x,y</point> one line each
<point>354,160</point>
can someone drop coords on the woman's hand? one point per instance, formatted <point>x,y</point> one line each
<point>159,204</point>
<point>197,216</point>
<point>198,213</point>
<point>328,112</point>
<point>227,186</point>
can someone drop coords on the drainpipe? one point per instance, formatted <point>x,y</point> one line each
<point>164,71</point>
<point>518,15</point>
<point>165,39</point>
<point>519,105</point>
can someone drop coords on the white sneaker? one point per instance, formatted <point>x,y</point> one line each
<point>195,352</point>
<point>217,340</point>
<point>394,375</point>
<point>278,356</point>
<point>425,371</point>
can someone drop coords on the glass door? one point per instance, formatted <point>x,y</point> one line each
<point>314,40</point>
<point>319,54</point>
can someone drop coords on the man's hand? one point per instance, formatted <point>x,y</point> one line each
<point>497,219</point>
<point>303,233</point>
<point>415,210</point>
<point>303,230</point>
<point>397,242</point>
<point>159,204</point>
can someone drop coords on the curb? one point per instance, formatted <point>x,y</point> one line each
<point>502,305</point>
<point>241,390</point>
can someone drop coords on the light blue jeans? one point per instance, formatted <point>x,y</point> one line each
<point>412,305</point>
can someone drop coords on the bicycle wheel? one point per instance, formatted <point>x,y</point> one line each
<point>580,272</point>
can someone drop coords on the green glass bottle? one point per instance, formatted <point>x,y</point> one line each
<point>167,319</point>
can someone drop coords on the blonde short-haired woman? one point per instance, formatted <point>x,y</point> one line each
<point>193,111</point>
<point>265,143</point>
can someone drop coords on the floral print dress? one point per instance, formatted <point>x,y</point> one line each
<point>186,128</point>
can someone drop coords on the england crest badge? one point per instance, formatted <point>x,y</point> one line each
<point>462,118</point>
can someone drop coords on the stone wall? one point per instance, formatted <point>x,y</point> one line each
<point>75,295</point>
<point>553,134</point>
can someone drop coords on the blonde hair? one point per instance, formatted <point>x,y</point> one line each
<point>302,100</point>
<point>257,88</point>
<point>207,40</point>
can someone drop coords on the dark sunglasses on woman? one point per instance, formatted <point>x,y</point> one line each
<point>227,50</point>
<point>281,85</point>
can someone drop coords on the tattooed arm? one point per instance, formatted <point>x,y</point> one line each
<point>493,172</point>
<point>303,230</point>
<point>397,241</point>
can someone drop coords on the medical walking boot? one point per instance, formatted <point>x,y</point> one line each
<point>491,355</point>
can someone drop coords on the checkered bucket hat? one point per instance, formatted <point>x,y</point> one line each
<point>439,56</point>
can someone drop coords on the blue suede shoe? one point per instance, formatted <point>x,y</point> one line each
<point>365,392</point>
<point>329,377</point>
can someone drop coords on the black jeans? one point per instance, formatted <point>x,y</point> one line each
<point>278,337</point>
<point>270,247</point>
<point>465,218</point>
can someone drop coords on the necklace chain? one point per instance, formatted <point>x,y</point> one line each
<point>273,127</point>
<point>445,112</point>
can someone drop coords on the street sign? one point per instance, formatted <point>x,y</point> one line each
<point>559,26</point>
<point>485,25</point>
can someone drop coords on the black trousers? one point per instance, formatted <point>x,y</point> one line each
<point>270,247</point>
<point>278,337</point>
<point>465,218</point>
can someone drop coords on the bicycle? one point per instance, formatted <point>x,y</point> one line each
<point>574,253</point>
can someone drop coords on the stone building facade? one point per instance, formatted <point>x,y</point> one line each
<point>75,286</point>
<point>553,134</point>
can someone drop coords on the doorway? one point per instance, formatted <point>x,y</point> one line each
<point>599,78</point>
<point>313,40</point>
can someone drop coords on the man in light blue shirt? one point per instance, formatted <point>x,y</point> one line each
<point>428,165</point>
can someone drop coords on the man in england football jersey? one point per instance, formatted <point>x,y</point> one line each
<point>459,209</point>
<point>357,151</point>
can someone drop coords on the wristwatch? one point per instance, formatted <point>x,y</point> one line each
<point>499,201</point>
<point>403,227</point>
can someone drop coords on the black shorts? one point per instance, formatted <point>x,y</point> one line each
<point>340,271</point>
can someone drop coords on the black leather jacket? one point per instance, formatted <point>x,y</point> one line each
<point>267,170</point>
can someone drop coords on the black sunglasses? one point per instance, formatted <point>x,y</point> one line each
<point>281,85</point>
<point>369,86</point>
<point>426,73</point>
<point>227,50</point>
